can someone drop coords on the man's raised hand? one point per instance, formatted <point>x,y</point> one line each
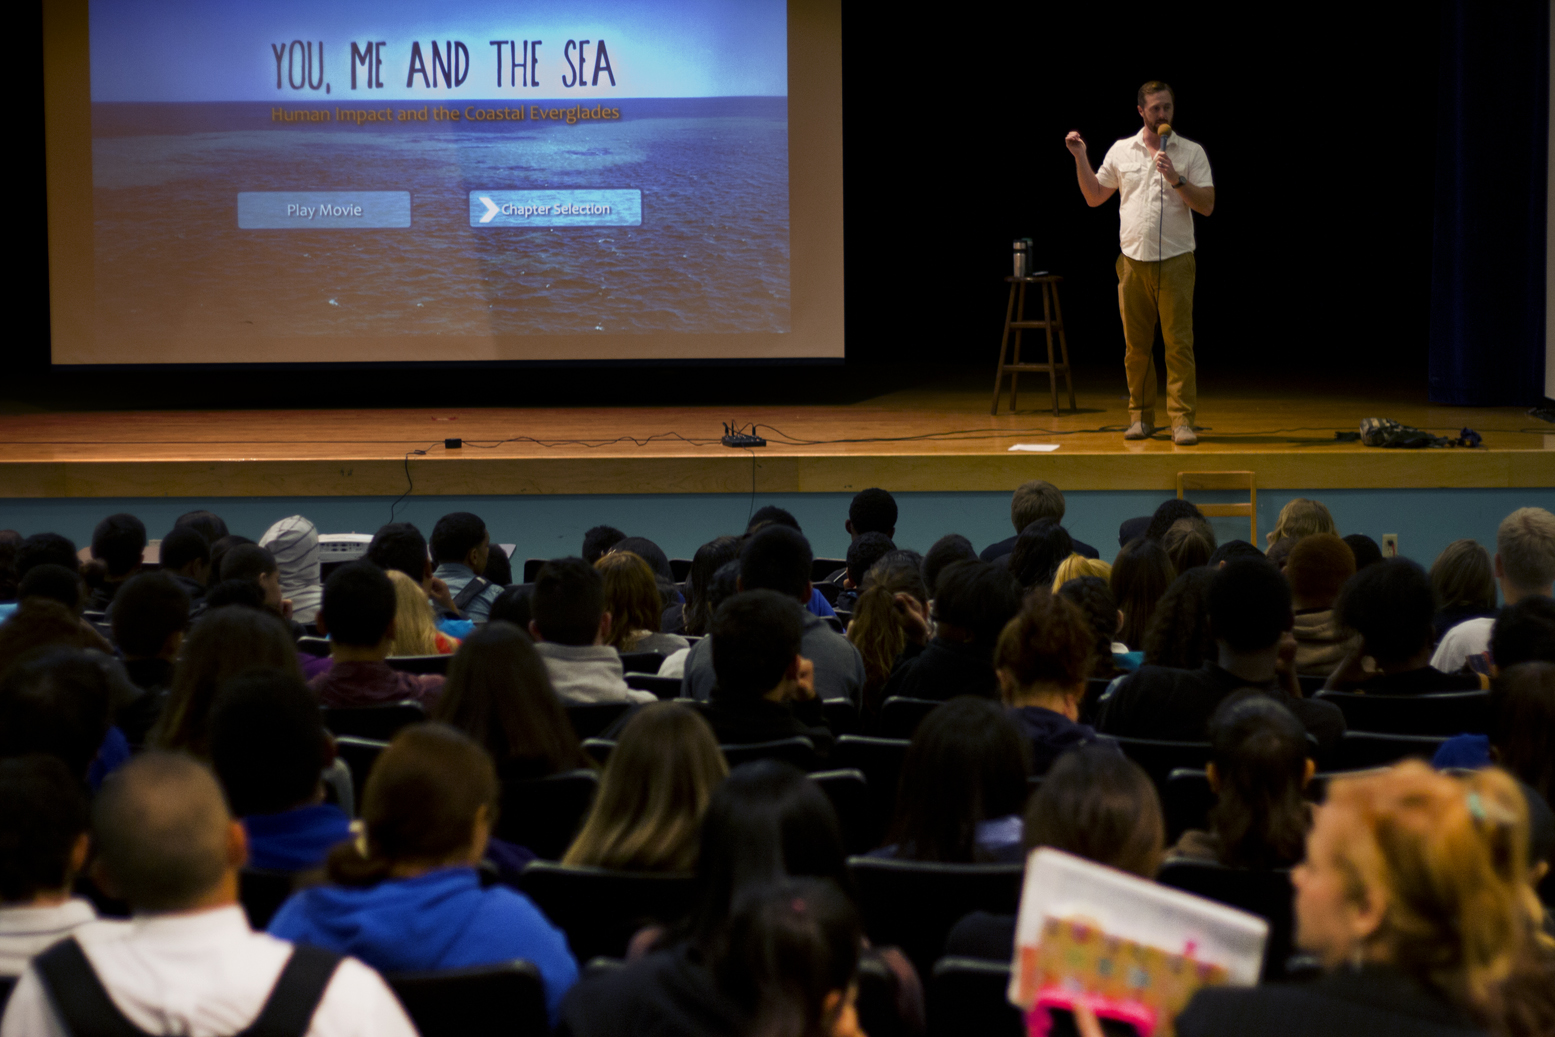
<point>1075,143</point>
<point>1168,169</point>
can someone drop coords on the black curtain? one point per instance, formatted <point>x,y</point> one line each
<point>1492,129</point>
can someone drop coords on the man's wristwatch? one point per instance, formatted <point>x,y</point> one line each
<point>1180,180</point>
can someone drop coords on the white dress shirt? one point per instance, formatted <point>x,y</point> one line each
<point>1471,637</point>
<point>204,974</point>
<point>24,931</point>
<point>1149,207</point>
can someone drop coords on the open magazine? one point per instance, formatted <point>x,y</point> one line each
<point>1133,950</point>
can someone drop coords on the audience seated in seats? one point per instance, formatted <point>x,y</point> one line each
<point>58,701</point>
<point>1189,543</point>
<point>772,515</point>
<point>599,540</point>
<point>219,549</point>
<point>571,627</point>
<point>185,557</point>
<point>1032,502</point>
<point>499,693</point>
<point>41,618</point>
<point>1301,517</point>
<point>891,614</point>
<point>1464,581</point>
<point>655,789</point>
<point>1141,574</point>
<point>512,606</point>
<point>1401,900</point>
<point>1390,607</point>
<point>973,603</point>
<point>1043,662</point>
<point>10,540</point>
<point>777,558</point>
<point>358,616</point>
<point>1258,770</point>
<point>1166,515</point>
<point>1077,566</point>
<point>946,551</point>
<point>246,593</point>
<point>865,550</point>
<point>1522,729</point>
<point>400,546</point>
<point>1232,549</point>
<point>658,561</point>
<point>1039,550</point>
<point>43,847</point>
<point>460,545</point>
<point>963,788</point>
<point>785,962</point>
<point>696,615</point>
<point>765,689</point>
<point>257,565</point>
<point>269,749</point>
<point>499,567</point>
<point>1095,803</point>
<point>1525,567</point>
<point>1178,634</point>
<point>1279,554</point>
<point>1524,632</point>
<point>871,511</point>
<point>118,543</point>
<point>406,897</point>
<point>188,963</point>
<point>150,616</point>
<point>1091,594</point>
<point>227,641</point>
<point>635,605</point>
<point>1317,569</point>
<point>722,585</point>
<point>208,524</point>
<point>44,549</point>
<point>415,631</point>
<point>1250,617</point>
<point>1365,550</point>
<point>294,542</point>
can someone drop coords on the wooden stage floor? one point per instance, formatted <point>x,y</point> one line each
<point>936,436</point>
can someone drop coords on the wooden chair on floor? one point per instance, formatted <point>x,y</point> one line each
<point>1052,321</point>
<point>1214,481</point>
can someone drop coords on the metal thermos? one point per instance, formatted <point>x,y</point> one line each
<point>1023,257</point>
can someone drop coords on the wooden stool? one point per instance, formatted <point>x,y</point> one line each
<point>1052,320</point>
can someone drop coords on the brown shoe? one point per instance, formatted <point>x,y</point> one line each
<point>1183,435</point>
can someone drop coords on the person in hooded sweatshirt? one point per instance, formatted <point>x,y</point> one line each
<point>295,543</point>
<point>571,628</point>
<point>1042,663</point>
<point>406,896</point>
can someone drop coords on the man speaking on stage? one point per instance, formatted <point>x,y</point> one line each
<point>1164,179</point>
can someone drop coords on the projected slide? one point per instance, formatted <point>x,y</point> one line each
<point>273,171</point>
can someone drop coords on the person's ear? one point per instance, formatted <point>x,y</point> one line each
<point>792,672</point>
<point>603,637</point>
<point>1120,622</point>
<point>848,525</point>
<point>426,569</point>
<point>1213,774</point>
<point>480,833</point>
<point>1309,769</point>
<point>237,845</point>
<point>739,585</point>
<point>1366,915</point>
<point>1537,872</point>
<point>79,852</point>
<point>1500,572</point>
<point>103,880</point>
<point>534,632</point>
<point>1008,685</point>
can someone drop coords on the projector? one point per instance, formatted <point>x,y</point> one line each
<point>336,549</point>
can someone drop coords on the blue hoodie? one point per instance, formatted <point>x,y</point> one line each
<point>440,920</point>
<point>295,840</point>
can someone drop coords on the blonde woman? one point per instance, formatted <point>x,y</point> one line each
<point>1076,566</point>
<point>1302,517</point>
<point>655,789</point>
<point>414,632</point>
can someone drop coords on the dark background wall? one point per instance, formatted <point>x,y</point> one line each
<point>1318,122</point>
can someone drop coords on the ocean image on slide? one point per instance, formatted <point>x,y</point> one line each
<point>711,253</point>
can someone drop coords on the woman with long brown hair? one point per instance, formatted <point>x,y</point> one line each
<point>890,617</point>
<point>635,605</point>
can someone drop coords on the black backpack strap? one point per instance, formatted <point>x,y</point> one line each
<point>78,996</point>
<point>288,1011</point>
<point>472,590</point>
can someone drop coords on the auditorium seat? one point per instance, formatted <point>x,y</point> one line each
<point>1452,713</point>
<point>532,568</point>
<point>881,761</point>
<point>591,719</point>
<point>1267,894</point>
<point>262,893</point>
<point>359,755</point>
<point>1186,800</point>
<point>1311,685</point>
<point>848,791</point>
<point>970,996</point>
<point>829,591</point>
<point>913,904</point>
<point>7,984</point>
<point>1090,704</point>
<point>379,722</point>
<point>841,716</point>
<point>1158,758</point>
<point>544,814</point>
<point>680,569</point>
<point>318,646</point>
<point>507,998</point>
<point>878,987</point>
<point>642,662</point>
<point>422,664</point>
<point>1362,750</point>
<point>900,715</point>
<point>599,909</point>
<point>663,688</point>
<point>599,749</point>
<point>798,750</point>
<point>340,786</point>
<point>821,568</point>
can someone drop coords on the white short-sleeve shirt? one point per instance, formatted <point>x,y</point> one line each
<point>1150,209</point>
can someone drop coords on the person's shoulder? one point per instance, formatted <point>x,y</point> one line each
<point>358,1001</point>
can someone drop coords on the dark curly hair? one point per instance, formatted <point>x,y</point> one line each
<point>1179,633</point>
<point>1095,599</point>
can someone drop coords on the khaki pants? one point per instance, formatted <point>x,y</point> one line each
<point>1138,284</point>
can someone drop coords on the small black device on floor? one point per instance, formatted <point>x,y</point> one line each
<point>734,438</point>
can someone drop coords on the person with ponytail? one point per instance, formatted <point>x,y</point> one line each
<point>1258,769</point>
<point>405,895</point>
<point>1414,900</point>
<point>890,618</point>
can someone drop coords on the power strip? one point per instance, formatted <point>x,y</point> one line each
<point>740,439</point>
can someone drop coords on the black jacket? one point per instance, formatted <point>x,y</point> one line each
<point>1051,734</point>
<point>667,992</point>
<point>1005,548</point>
<point>943,670</point>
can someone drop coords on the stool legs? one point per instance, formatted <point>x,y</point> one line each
<point>1009,353</point>
<point>1004,341</point>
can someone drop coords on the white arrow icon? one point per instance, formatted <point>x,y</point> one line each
<point>491,209</point>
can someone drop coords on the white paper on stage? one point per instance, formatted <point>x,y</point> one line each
<point>1035,448</point>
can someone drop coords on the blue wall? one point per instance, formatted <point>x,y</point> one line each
<point>549,526</point>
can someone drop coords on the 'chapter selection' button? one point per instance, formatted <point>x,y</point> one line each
<point>323,210</point>
<point>582,208</point>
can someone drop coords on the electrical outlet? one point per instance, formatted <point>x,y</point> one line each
<point>1390,545</point>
